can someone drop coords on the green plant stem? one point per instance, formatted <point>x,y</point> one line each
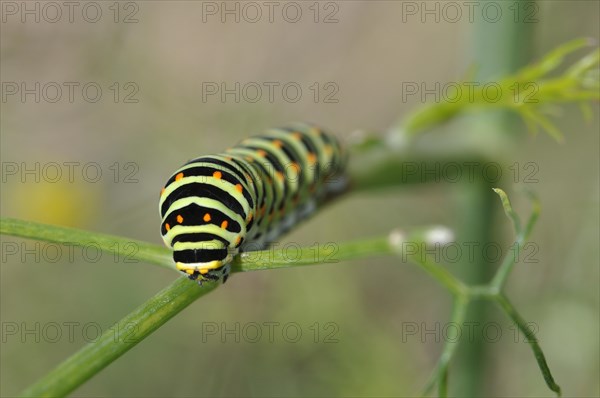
<point>167,303</point>
<point>123,247</point>
<point>493,292</point>
<point>475,210</point>
<point>498,49</point>
<point>440,373</point>
<point>251,261</point>
<point>150,316</point>
<point>119,339</point>
<point>442,275</point>
<point>443,388</point>
<point>319,254</point>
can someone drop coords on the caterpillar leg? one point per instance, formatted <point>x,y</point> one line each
<point>212,275</point>
<point>200,278</point>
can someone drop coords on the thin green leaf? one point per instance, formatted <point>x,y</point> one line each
<point>509,260</point>
<point>508,210</point>
<point>548,126</point>
<point>535,213</point>
<point>532,340</point>
<point>584,64</point>
<point>551,60</point>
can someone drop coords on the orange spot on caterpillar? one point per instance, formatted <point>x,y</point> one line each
<point>228,158</point>
<point>217,175</point>
<point>261,153</point>
<point>328,149</point>
<point>249,218</point>
<point>277,143</point>
<point>297,136</point>
<point>178,176</point>
<point>311,157</point>
<point>162,191</point>
<point>238,240</point>
<point>249,159</point>
<point>167,227</point>
<point>179,218</point>
<point>207,217</point>
<point>279,175</point>
<point>224,224</point>
<point>238,187</point>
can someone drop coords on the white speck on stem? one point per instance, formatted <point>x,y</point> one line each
<point>440,235</point>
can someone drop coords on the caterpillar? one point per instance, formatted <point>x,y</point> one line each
<point>216,206</point>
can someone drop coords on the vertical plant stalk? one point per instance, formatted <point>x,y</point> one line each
<point>476,211</point>
<point>498,49</point>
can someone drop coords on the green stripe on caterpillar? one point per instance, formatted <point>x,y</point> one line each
<point>215,206</point>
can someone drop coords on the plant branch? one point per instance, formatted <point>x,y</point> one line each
<point>512,313</point>
<point>527,92</point>
<point>119,339</point>
<point>440,373</point>
<point>121,246</point>
<point>138,325</point>
<point>509,261</point>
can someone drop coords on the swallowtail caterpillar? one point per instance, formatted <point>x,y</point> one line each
<point>215,206</point>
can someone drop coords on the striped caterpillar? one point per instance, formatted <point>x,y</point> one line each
<point>215,206</point>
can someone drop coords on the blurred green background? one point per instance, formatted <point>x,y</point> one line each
<point>367,55</point>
